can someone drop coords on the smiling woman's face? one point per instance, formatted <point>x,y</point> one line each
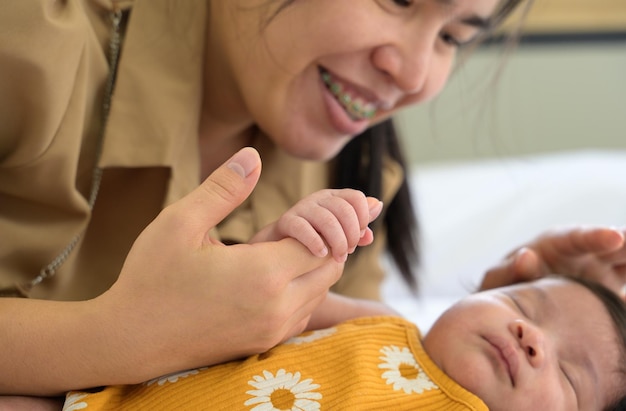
<point>548,345</point>
<point>321,71</point>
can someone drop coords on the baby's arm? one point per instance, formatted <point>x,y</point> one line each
<point>334,220</point>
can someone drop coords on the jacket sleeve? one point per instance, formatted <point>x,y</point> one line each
<point>41,46</point>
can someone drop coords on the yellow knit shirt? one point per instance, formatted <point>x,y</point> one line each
<point>373,363</point>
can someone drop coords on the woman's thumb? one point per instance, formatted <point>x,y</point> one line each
<point>225,189</point>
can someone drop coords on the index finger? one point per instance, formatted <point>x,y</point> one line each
<point>583,240</point>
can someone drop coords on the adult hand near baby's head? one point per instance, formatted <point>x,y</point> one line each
<point>188,300</point>
<point>595,253</point>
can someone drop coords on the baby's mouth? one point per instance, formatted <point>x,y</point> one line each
<point>355,105</point>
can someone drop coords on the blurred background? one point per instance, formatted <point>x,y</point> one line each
<point>562,88</point>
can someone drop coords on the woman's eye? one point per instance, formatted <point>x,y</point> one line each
<point>403,3</point>
<point>451,40</point>
<point>458,40</point>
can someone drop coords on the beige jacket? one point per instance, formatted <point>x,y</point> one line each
<point>53,70</point>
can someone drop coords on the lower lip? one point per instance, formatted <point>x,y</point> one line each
<point>339,118</point>
<point>501,360</point>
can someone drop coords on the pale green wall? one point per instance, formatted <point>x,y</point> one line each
<point>549,98</point>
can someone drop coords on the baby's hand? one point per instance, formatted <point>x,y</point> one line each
<point>327,219</point>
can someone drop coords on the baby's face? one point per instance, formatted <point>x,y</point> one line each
<point>546,345</point>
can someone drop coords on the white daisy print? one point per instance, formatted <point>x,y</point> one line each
<point>72,402</point>
<point>311,336</point>
<point>283,392</point>
<point>403,371</point>
<point>174,377</point>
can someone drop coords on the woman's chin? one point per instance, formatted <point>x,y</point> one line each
<point>317,147</point>
<point>320,153</point>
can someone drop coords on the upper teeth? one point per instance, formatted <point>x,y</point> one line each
<point>357,107</point>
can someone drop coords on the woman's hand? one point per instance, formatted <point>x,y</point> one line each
<point>596,253</point>
<point>193,301</point>
<point>182,300</point>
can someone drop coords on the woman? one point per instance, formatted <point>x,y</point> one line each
<point>295,79</point>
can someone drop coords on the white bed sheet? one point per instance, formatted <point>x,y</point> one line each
<point>474,213</point>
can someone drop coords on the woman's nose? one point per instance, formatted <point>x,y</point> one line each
<point>531,339</point>
<point>406,65</point>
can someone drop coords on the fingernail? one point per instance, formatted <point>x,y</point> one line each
<point>341,259</point>
<point>244,162</point>
<point>375,210</point>
<point>521,251</point>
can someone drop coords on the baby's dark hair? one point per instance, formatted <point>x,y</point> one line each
<point>616,308</point>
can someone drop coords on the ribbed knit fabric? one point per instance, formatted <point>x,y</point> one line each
<point>373,363</point>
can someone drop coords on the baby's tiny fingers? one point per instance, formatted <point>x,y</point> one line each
<point>302,230</point>
<point>348,223</point>
<point>375,207</point>
<point>367,238</point>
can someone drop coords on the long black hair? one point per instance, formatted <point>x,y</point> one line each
<point>360,165</point>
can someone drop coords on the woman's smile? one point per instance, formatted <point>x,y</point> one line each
<point>349,112</point>
<point>311,85</point>
<point>354,101</point>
